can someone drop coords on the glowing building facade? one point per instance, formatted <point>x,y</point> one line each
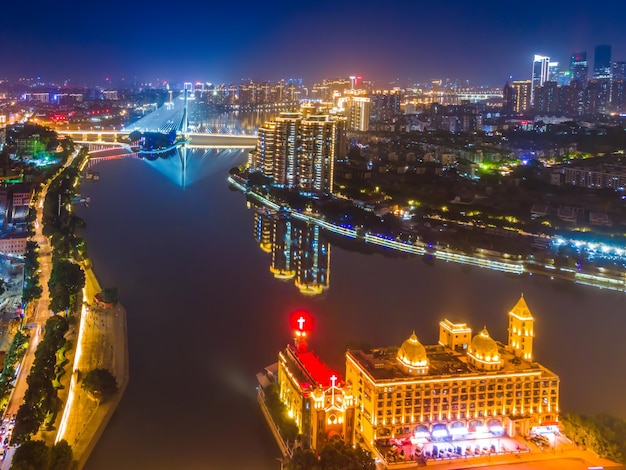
<point>316,397</point>
<point>357,112</point>
<point>459,388</point>
<point>520,98</point>
<point>299,152</point>
<point>541,73</point>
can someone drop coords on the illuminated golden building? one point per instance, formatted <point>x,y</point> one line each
<point>357,111</point>
<point>521,330</point>
<point>522,95</point>
<point>315,396</point>
<point>262,156</point>
<point>299,152</point>
<point>455,389</point>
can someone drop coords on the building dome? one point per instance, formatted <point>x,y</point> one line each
<point>484,347</point>
<point>412,352</point>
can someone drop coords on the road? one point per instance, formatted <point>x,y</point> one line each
<point>37,313</point>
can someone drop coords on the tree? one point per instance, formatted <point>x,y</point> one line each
<point>109,295</point>
<point>134,136</point>
<point>100,383</point>
<point>337,455</point>
<point>603,434</point>
<point>303,460</point>
<point>27,423</point>
<point>31,455</point>
<point>61,456</point>
<point>66,280</point>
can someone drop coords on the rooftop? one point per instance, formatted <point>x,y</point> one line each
<point>381,364</point>
<point>310,370</point>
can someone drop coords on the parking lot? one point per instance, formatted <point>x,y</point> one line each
<point>453,449</point>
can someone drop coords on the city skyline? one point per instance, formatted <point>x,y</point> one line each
<point>312,40</point>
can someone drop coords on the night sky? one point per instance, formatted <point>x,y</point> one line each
<point>481,41</point>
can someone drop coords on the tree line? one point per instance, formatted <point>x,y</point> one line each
<point>41,400</point>
<point>67,278</point>
<point>603,434</point>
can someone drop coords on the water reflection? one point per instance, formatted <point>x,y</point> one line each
<point>297,250</point>
<point>185,166</point>
<point>236,122</point>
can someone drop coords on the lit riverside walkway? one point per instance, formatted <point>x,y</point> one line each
<point>101,343</point>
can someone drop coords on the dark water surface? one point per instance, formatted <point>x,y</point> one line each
<point>205,314</point>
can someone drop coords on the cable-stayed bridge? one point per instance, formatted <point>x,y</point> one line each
<point>172,116</point>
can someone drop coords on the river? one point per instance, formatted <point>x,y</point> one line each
<point>205,314</point>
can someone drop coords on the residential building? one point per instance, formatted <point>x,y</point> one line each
<point>357,112</point>
<point>521,97</point>
<point>14,244</point>
<point>299,152</point>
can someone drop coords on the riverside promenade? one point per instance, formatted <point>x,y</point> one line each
<point>102,342</point>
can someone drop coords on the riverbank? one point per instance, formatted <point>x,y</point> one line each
<point>490,259</point>
<point>102,343</point>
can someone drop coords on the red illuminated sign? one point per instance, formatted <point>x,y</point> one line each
<point>301,321</point>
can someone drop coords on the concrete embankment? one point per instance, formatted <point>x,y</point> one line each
<point>102,343</point>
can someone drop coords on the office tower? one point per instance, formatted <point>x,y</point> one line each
<point>602,62</point>
<point>578,67</point>
<point>541,70</point>
<point>564,77</point>
<point>619,70</point>
<point>553,71</point>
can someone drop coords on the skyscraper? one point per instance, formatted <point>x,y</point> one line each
<point>553,71</point>
<point>578,67</point>
<point>541,73</point>
<point>619,70</point>
<point>602,62</point>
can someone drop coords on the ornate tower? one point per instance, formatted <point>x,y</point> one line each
<point>521,330</point>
